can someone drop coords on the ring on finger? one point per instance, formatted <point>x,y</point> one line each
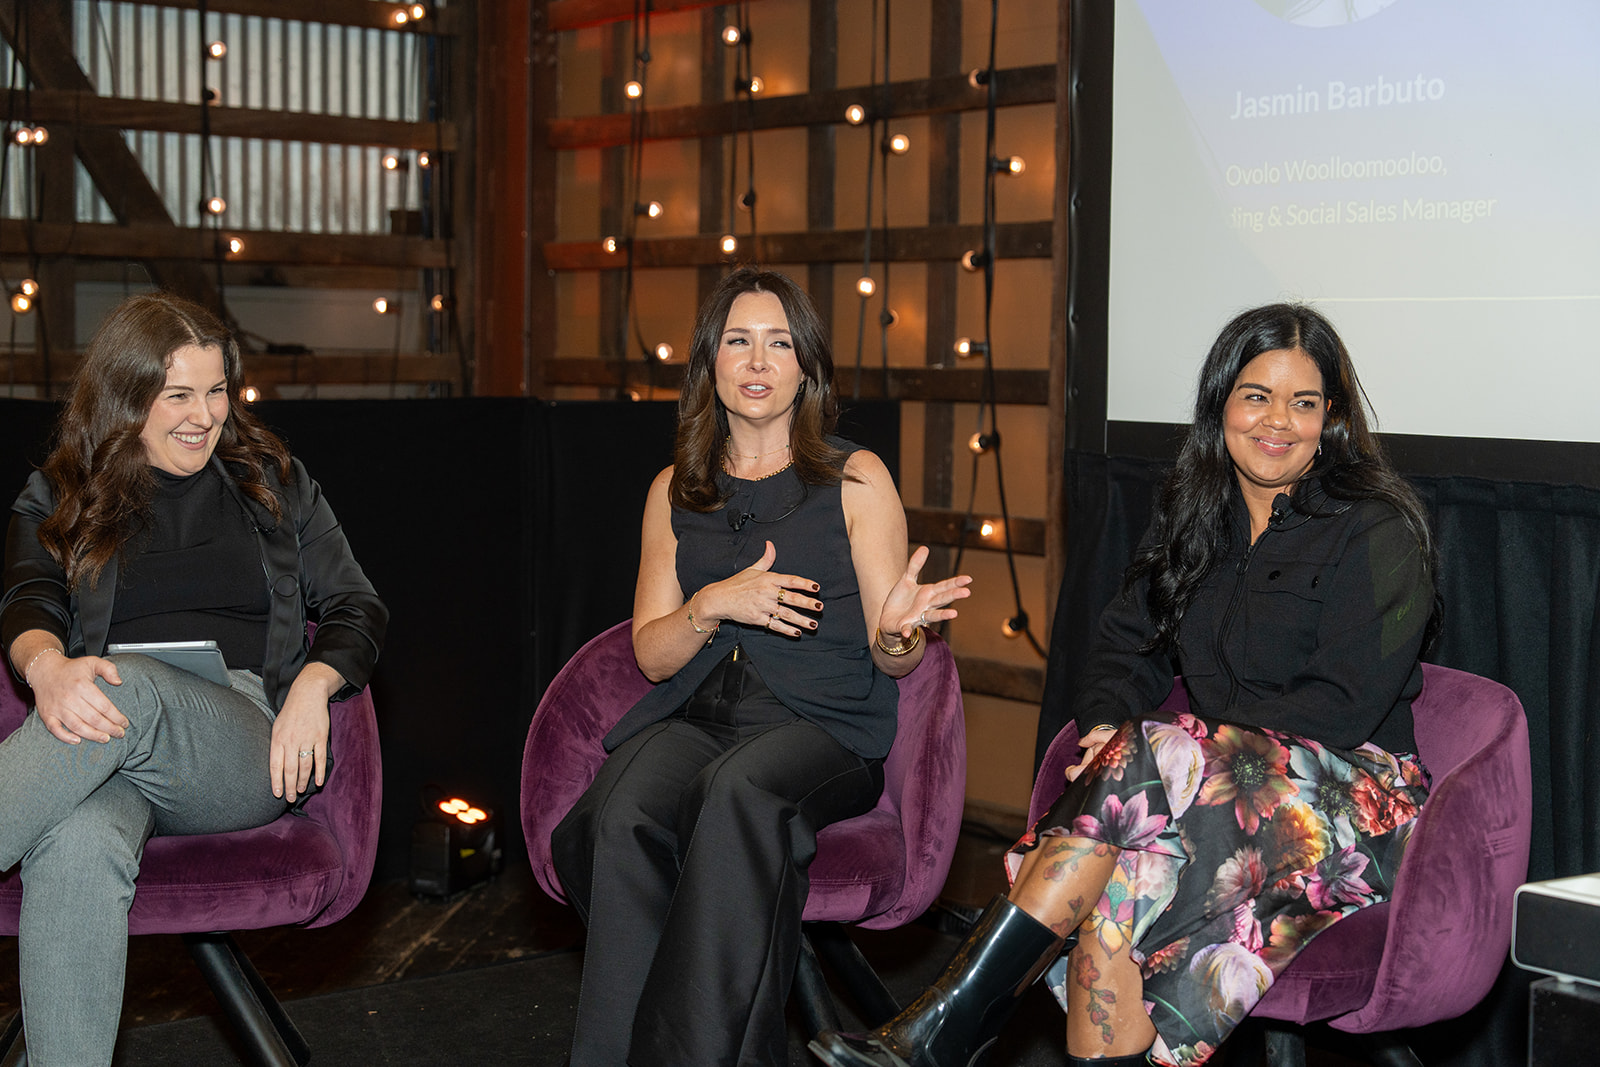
<point>780,595</point>
<point>307,752</point>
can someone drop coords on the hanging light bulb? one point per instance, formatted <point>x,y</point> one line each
<point>899,144</point>
<point>1011,165</point>
<point>967,348</point>
<point>632,89</point>
<point>653,209</point>
<point>608,245</point>
<point>756,85</point>
<point>424,160</point>
<point>21,304</point>
<point>250,394</point>
<point>982,443</point>
<point>986,528</point>
<point>401,16</point>
<point>418,12</point>
<point>23,135</point>
<point>440,302</point>
<point>730,35</point>
<point>866,286</point>
<point>855,114</point>
<point>663,351</point>
<point>393,161</point>
<point>28,287</point>
<point>235,246</point>
<point>729,244</point>
<point>973,260</point>
<point>40,135</point>
<point>888,317</point>
<point>216,49</point>
<point>977,77</point>
<point>381,305</point>
<point>213,205</point>
<point>747,200</point>
<point>1015,626</point>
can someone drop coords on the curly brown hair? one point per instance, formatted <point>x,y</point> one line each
<point>98,465</point>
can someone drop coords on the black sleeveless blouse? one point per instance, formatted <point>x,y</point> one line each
<point>826,676</point>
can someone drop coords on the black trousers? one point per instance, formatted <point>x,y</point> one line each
<point>686,859</point>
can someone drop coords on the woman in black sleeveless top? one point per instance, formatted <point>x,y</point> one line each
<point>775,605</point>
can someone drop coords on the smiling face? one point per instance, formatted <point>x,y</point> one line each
<point>1272,423</point>
<point>186,419</point>
<point>758,374</point>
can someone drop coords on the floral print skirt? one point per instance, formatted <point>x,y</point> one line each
<point>1239,845</point>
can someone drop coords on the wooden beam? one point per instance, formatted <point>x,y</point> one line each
<point>1013,240</point>
<point>905,383</point>
<point>576,14</point>
<point>327,368</point>
<point>48,57</point>
<point>89,109</point>
<point>947,526</point>
<point>927,96</point>
<point>442,22</point>
<point>995,678</point>
<point>167,244</point>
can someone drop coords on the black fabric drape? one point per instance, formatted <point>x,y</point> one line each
<point>1520,578</point>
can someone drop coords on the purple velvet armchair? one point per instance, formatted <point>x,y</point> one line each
<point>879,870</point>
<point>1433,950</point>
<point>307,870</point>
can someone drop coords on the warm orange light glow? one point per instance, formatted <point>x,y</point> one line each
<point>216,49</point>
<point>663,351</point>
<point>250,394</point>
<point>381,305</point>
<point>20,304</point>
<point>729,244</point>
<point>632,90</point>
<point>866,286</point>
<point>855,114</point>
<point>899,144</point>
<point>29,287</point>
<point>730,35</point>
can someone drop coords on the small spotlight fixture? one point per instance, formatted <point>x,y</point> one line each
<point>866,286</point>
<point>608,245</point>
<point>653,209</point>
<point>632,89</point>
<point>1010,165</point>
<point>381,305</point>
<point>1015,626</point>
<point>983,443</point>
<point>967,348</point>
<point>899,144</point>
<point>663,351</point>
<point>28,287</point>
<point>973,260</point>
<point>424,160</point>
<point>729,244</point>
<point>213,205</point>
<point>216,49</point>
<point>250,394</point>
<point>731,35</point>
<point>235,246</point>
<point>21,304</point>
<point>855,114</point>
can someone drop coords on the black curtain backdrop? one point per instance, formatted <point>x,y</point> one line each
<point>1520,577</point>
<point>502,533</point>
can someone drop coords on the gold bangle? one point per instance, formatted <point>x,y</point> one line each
<point>696,625</point>
<point>905,647</point>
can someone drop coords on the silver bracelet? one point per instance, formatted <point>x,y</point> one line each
<point>28,670</point>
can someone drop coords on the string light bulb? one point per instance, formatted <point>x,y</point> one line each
<point>216,49</point>
<point>899,144</point>
<point>653,209</point>
<point>1011,165</point>
<point>418,12</point>
<point>1015,626</point>
<point>729,244</point>
<point>250,394</point>
<point>982,443</point>
<point>756,84</point>
<point>986,528</point>
<point>632,89</point>
<point>28,287</point>
<point>381,305</point>
<point>424,160</point>
<point>731,35</point>
<point>663,351</point>
<point>866,286</point>
<point>393,161</point>
<point>401,16</point>
<point>978,77</point>
<point>973,260</point>
<point>21,304</point>
<point>440,302</point>
<point>213,205</point>
<point>608,245</point>
<point>235,246</point>
<point>967,348</point>
<point>855,114</point>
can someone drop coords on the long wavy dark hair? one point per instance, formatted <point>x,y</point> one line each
<point>1192,521</point>
<point>98,465</point>
<point>702,419</point>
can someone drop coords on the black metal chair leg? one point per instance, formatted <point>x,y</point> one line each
<point>867,991</point>
<point>1387,1050</point>
<point>1285,1048</point>
<point>270,1037</point>
<point>12,1052</point>
<point>817,1008</point>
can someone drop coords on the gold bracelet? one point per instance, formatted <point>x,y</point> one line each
<point>696,625</point>
<point>905,647</point>
<point>36,657</point>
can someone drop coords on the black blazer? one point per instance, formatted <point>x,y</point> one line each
<point>308,566</point>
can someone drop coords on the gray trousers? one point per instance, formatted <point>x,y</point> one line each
<point>193,761</point>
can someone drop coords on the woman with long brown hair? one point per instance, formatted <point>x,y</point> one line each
<point>164,513</point>
<point>775,606</point>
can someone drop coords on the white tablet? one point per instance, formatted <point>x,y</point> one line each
<point>199,657</point>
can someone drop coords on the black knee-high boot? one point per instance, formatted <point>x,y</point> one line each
<point>1140,1059</point>
<point>955,1020</point>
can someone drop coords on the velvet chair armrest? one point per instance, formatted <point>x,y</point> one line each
<point>350,804</point>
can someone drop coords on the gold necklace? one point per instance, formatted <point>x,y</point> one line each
<point>728,448</point>
<point>761,478</point>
